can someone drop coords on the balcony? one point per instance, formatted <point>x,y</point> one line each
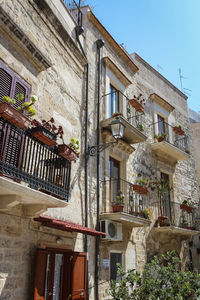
<point>134,211</point>
<point>32,174</point>
<point>168,144</point>
<point>174,218</point>
<point>132,119</point>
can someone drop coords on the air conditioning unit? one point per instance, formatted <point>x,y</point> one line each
<point>113,230</point>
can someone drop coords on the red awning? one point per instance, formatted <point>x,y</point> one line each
<point>67,226</point>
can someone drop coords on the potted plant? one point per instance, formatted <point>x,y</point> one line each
<point>178,130</point>
<point>138,103</point>
<point>160,137</point>
<point>141,186</point>
<point>186,206</point>
<point>140,127</point>
<point>17,116</point>
<point>147,213</point>
<point>118,203</point>
<point>70,151</point>
<point>46,132</point>
<point>163,221</point>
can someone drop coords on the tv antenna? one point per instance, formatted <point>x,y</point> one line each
<point>184,90</point>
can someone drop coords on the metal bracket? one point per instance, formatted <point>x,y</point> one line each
<point>94,150</point>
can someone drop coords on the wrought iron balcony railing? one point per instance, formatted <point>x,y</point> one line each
<point>25,159</point>
<point>166,132</point>
<point>175,214</point>
<point>119,190</point>
<point>121,104</point>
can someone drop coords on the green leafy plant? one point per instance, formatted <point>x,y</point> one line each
<point>142,182</point>
<point>187,202</point>
<point>161,279</point>
<point>140,127</point>
<point>158,136</point>
<point>74,145</point>
<point>147,214</point>
<point>180,126</point>
<point>25,107</point>
<point>119,200</point>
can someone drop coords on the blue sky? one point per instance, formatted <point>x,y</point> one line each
<point>164,32</point>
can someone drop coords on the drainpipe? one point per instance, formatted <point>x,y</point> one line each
<point>79,30</point>
<point>100,44</point>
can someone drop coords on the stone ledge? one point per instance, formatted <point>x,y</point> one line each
<point>23,41</point>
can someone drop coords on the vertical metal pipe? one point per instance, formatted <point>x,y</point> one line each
<point>86,170</point>
<point>100,44</point>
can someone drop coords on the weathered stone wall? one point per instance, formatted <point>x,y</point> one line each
<point>19,239</point>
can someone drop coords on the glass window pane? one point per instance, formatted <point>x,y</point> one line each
<point>57,283</point>
<point>46,291</point>
<point>114,259</point>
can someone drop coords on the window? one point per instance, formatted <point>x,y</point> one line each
<point>11,84</point>
<point>166,209</point>
<point>161,125</point>
<point>60,275</point>
<point>114,170</point>
<point>115,258</point>
<point>114,100</point>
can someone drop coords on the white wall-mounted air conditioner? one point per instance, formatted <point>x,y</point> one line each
<point>113,230</point>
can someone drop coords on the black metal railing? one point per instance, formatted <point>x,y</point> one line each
<point>177,215</point>
<point>133,203</point>
<point>165,131</point>
<point>75,10</point>
<point>123,106</point>
<point>25,159</point>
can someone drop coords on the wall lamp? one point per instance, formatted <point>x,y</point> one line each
<point>117,129</point>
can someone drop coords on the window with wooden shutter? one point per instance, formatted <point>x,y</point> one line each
<point>11,84</point>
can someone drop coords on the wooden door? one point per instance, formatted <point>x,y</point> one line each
<point>60,275</point>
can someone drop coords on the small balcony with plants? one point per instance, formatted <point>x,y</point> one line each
<point>170,142</point>
<point>130,112</point>
<point>122,201</point>
<point>34,167</point>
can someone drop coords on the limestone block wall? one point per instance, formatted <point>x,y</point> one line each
<point>19,239</point>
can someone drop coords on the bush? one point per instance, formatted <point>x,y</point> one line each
<point>162,279</point>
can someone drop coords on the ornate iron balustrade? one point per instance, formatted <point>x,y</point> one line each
<point>134,117</point>
<point>76,12</point>
<point>169,135</point>
<point>176,214</point>
<point>134,203</point>
<point>25,159</point>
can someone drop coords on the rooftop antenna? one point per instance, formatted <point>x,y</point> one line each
<point>184,90</point>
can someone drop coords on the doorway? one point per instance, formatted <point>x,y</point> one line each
<point>60,275</point>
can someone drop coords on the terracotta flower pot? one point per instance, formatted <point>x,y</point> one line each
<point>14,116</point>
<point>44,135</point>
<point>67,152</point>
<point>187,208</point>
<point>117,208</point>
<point>178,130</point>
<point>140,189</point>
<point>160,139</point>
<point>163,221</point>
<point>137,105</point>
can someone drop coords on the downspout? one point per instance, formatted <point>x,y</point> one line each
<point>86,154</point>
<point>100,44</point>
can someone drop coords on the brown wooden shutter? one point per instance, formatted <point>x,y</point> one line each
<point>79,276</point>
<point>5,82</point>
<point>11,84</point>
<point>40,272</point>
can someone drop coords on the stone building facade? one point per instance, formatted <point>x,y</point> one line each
<point>43,48</point>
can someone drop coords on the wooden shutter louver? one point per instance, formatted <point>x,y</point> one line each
<point>5,83</point>
<point>40,273</point>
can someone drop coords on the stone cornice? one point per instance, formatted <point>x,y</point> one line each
<point>119,50</point>
<point>156,98</point>
<point>112,66</point>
